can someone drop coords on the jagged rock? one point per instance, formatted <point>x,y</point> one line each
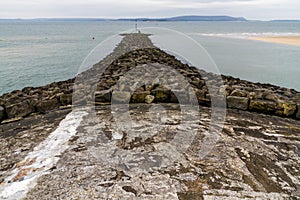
<point>149,87</point>
<point>271,97</point>
<point>298,112</point>
<point>238,93</point>
<point>149,99</point>
<point>139,96</point>
<point>198,83</point>
<point>21,109</point>
<point>47,105</point>
<point>65,99</point>
<point>103,96</point>
<point>121,97</point>
<point>201,96</point>
<point>2,113</point>
<point>12,100</point>
<point>236,102</point>
<point>267,107</point>
<point>286,109</point>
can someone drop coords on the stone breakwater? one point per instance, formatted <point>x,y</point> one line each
<point>101,82</point>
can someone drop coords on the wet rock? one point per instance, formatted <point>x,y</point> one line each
<point>121,97</point>
<point>267,107</point>
<point>103,96</point>
<point>47,105</point>
<point>21,109</point>
<point>236,102</point>
<point>149,99</point>
<point>286,109</point>
<point>238,93</point>
<point>65,99</point>
<point>139,96</point>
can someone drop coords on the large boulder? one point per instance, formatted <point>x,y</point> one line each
<point>238,93</point>
<point>2,113</point>
<point>298,112</point>
<point>161,94</point>
<point>47,105</point>
<point>121,97</point>
<point>149,99</point>
<point>286,109</point>
<point>65,99</point>
<point>236,102</point>
<point>202,99</point>
<point>262,106</point>
<point>139,97</point>
<point>21,109</point>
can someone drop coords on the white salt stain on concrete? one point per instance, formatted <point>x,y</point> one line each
<point>41,159</point>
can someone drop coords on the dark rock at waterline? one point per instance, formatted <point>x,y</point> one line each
<point>21,109</point>
<point>47,105</point>
<point>65,99</point>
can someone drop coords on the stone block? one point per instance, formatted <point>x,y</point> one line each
<point>236,102</point>
<point>261,106</point>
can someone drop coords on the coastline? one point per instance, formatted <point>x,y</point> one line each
<point>288,40</point>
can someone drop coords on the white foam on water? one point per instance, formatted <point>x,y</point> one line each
<point>42,158</point>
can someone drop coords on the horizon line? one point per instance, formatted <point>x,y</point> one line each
<point>140,18</point>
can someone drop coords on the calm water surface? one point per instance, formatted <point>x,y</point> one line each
<point>38,53</point>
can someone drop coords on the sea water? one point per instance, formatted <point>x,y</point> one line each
<point>38,53</point>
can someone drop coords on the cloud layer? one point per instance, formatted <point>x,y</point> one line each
<point>252,9</point>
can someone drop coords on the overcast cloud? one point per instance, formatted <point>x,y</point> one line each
<point>251,9</point>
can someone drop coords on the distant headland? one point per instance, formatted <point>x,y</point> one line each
<point>177,18</point>
<point>166,19</point>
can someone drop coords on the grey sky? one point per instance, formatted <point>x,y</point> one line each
<point>251,9</point>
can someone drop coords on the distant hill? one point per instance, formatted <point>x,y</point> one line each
<point>179,18</point>
<point>188,18</point>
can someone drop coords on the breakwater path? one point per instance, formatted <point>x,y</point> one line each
<point>69,140</point>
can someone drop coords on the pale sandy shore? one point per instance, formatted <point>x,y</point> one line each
<point>289,40</point>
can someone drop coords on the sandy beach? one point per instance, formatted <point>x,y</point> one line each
<point>289,40</point>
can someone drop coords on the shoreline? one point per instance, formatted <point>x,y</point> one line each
<point>287,40</point>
